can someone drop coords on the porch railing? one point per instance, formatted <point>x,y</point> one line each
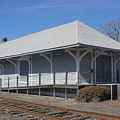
<point>55,78</point>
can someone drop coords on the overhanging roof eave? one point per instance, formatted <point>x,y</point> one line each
<point>98,47</point>
<point>58,48</point>
<point>39,51</point>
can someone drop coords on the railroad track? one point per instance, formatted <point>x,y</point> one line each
<point>36,111</point>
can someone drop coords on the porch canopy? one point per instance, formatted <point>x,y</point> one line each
<point>64,36</point>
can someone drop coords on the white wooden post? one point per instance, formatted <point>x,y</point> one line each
<point>2,66</point>
<point>18,69</point>
<point>50,61</point>
<point>111,93</point>
<point>77,64</point>
<point>78,58</point>
<point>51,68</point>
<point>94,60</point>
<point>95,71</point>
<point>30,65</point>
<point>15,69</point>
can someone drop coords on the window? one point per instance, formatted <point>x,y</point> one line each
<point>24,68</point>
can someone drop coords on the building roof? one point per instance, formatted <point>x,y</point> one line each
<point>71,34</point>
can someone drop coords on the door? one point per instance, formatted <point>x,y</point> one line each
<point>24,71</point>
<point>103,69</point>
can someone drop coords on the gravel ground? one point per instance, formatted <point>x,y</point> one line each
<point>107,107</point>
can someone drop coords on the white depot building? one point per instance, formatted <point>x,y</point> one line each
<point>60,60</point>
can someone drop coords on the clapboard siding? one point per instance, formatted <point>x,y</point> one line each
<point>9,71</point>
<point>62,61</point>
<point>40,64</point>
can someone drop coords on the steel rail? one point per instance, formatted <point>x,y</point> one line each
<point>30,112</point>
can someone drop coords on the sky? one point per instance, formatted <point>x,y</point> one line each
<point>19,18</point>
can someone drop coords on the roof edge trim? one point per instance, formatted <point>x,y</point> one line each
<point>40,51</point>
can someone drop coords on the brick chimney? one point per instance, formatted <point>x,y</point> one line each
<point>4,39</point>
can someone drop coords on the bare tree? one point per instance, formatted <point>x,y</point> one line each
<point>112,29</point>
